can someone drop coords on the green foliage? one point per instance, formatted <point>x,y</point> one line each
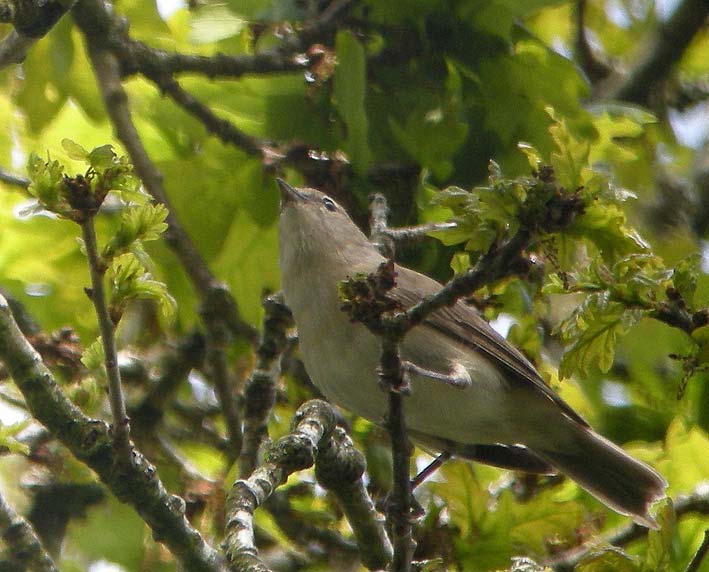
<point>349,97</point>
<point>608,560</point>
<point>81,196</point>
<point>428,103</point>
<point>617,298</point>
<point>128,280</point>
<point>139,223</point>
<point>94,357</point>
<point>8,437</point>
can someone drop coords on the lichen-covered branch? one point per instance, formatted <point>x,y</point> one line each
<point>339,468</point>
<point>260,390</point>
<point>26,550</point>
<point>337,463</point>
<point>133,480</point>
<point>313,422</point>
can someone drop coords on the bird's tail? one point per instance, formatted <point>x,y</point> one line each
<point>609,473</point>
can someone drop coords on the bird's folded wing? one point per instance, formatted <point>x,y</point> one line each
<point>463,324</point>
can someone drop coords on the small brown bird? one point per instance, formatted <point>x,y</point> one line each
<point>472,393</point>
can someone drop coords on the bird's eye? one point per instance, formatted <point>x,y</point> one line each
<point>329,204</point>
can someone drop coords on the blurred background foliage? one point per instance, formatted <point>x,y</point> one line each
<point>407,98</point>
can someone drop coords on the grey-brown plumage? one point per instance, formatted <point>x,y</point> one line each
<point>506,415</point>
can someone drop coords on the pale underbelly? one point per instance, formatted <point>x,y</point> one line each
<point>347,376</point>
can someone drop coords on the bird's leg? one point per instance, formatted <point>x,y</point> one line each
<point>458,376</point>
<point>431,468</point>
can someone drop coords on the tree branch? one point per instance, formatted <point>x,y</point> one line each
<point>222,128</point>
<point>175,368</point>
<point>121,427</point>
<point>310,442</point>
<point>667,46</point>
<point>695,503</point>
<point>260,389</point>
<point>145,58</point>
<point>219,310</point>
<point>589,63</point>
<point>107,72</point>
<point>313,422</point>
<point>339,468</point>
<point>26,549</point>
<point>699,555</point>
<point>14,180</point>
<point>133,480</point>
<point>32,20</point>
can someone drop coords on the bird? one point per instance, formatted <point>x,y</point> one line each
<point>494,407</point>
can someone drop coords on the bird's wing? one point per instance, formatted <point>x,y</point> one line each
<point>463,324</point>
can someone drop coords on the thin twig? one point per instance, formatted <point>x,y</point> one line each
<point>15,180</point>
<point>700,554</point>
<point>97,293</point>
<point>216,66</point>
<point>218,338</point>
<point>222,128</point>
<point>391,377</point>
<point>412,234</point>
<point>378,228</point>
<point>175,367</point>
<point>26,549</point>
<point>219,309</point>
<point>399,510</point>
<point>496,264</point>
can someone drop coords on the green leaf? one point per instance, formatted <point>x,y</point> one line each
<point>349,98</point>
<point>74,150</point>
<point>570,161</point>
<point>604,225</point>
<point>129,280</point>
<point>38,97</point>
<point>685,276</point>
<point>592,331</point>
<point>46,179</point>
<point>8,437</point>
<point>102,158</point>
<point>93,357</point>
<point>609,559</point>
<point>215,22</point>
<point>659,542</point>
<point>435,129</point>
<point>139,223</point>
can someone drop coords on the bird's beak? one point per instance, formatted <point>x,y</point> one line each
<point>289,194</point>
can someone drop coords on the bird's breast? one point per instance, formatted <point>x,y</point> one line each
<point>342,357</point>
